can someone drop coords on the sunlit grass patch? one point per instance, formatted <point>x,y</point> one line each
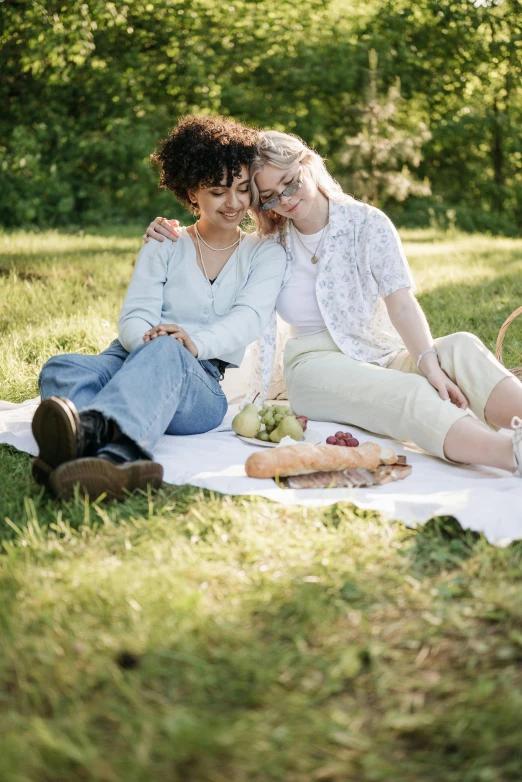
<point>195,637</point>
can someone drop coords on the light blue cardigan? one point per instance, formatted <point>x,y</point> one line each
<point>168,286</point>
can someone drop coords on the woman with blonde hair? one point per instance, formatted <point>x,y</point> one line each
<point>361,351</point>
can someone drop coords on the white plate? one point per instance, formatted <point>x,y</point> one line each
<point>310,436</point>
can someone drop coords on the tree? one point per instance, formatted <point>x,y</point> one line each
<point>461,61</point>
<point>88,89</point>
<point>377,164</point>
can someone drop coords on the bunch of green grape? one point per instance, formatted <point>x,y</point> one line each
<point>270,416</point>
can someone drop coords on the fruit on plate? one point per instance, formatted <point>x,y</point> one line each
<point>269,423</point>
<point>289,427</point>
<point>343,438</point>
<point>247,423</point>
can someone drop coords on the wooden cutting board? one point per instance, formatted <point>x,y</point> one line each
<point>348,479</point>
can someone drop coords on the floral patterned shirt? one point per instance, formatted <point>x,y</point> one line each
<point>361,263</point>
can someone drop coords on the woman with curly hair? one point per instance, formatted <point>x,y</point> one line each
<point>191,308</point>
<point>361,350</point>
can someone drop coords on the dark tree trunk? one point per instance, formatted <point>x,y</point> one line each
<point>497,154</point>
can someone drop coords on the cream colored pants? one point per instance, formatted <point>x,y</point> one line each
<point>396,401</point>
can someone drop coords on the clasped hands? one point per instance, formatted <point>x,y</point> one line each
<point>172,330</point>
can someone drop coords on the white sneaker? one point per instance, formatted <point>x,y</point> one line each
<point>516,425</point>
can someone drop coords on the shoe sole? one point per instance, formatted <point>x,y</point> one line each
<point>55,426</point>
<point>40,471</point>
<point>99,476</point>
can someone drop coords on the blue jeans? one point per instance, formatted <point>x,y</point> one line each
<point>159,388</point>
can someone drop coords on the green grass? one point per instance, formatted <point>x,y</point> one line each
<point>191,637</point>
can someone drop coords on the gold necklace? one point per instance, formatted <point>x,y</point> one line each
<point>216,249</point>
<point>220,314</point>
<point>315,257</point>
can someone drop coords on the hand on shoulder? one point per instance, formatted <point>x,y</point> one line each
<point>162,227</point>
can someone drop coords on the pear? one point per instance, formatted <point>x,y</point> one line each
<point>275,435</point>
<point>247,423</point>
<point>290,427</point>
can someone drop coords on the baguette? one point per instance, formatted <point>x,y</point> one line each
<point>300,460</point>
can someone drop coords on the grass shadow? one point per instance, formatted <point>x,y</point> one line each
<point>441,545</point>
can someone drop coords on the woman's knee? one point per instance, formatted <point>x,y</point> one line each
<point>461,340</point>
<point>62,373</point>
<point>48,366</point>
<point>53,374</point>
<point>166,347</point>
<point>57,364</point>
<point>66,363</point>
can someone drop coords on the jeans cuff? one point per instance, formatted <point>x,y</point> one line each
<point>124,450</point>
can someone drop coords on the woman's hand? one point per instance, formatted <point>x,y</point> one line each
<point>161,227</point>
<point>409,320</point>
<point>171,330</point>
<point>447,388</point>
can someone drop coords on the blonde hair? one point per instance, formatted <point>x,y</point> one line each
<point>282,150</point>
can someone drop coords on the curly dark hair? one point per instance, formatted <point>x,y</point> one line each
<point>199,150</point>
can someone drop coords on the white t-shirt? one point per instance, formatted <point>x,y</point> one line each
<point>297,302</point>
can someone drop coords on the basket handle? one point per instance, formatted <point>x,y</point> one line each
<point>502,332</point>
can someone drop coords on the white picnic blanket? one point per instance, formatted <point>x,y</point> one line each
<point>482,499</point>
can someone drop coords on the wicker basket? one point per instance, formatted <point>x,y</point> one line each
<point>500,339</point>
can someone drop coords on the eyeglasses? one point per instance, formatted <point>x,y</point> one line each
<point>288,191</point>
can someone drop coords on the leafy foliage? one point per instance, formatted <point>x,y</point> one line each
<point>87,90</point>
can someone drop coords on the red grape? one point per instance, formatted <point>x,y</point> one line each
<point>342,438</point>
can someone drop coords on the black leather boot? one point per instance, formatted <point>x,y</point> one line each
<point>101,476</point>
<point>63,434</point>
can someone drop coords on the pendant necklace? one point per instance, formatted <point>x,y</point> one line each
<point>315,257</point>
<point>198,237</point>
